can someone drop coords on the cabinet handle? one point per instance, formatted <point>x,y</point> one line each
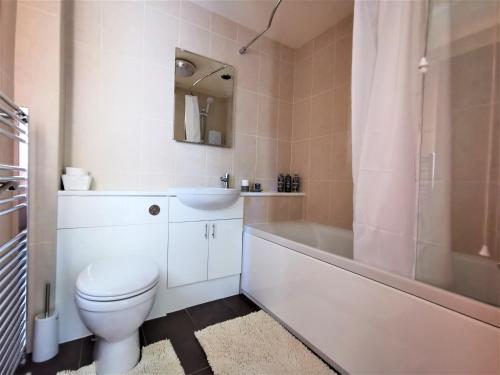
<point>206,231</point>
<point>213,230</point>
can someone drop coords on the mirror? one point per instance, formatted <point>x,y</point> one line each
<point>203,100</point>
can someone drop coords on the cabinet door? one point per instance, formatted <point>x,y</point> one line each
<point>187,253</point>
<point>225,246</point>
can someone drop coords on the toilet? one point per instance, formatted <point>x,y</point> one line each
<point>114,296</point>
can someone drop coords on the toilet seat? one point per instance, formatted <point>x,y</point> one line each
<point>116,305</point>
<point>115,279</point>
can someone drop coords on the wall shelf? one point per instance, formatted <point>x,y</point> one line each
<point>272,194</point>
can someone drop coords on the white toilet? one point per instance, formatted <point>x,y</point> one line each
<point>114,296</point>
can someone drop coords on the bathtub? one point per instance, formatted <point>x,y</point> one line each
<point>360,319</point>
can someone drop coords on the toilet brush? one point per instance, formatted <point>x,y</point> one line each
<point>46,335</point>
<point>47,300</point>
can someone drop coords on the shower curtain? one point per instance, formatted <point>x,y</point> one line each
<point>386,88</point>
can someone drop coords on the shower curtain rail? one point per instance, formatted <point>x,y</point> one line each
<point>244,49</point>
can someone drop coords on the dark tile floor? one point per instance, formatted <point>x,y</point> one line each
<point>178,327</point>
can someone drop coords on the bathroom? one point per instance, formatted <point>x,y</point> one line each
<point>187,186</point>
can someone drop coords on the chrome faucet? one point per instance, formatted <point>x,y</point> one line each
<point>225,181</point>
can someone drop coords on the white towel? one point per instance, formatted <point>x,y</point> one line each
<point>192,119</point>
<point>214,137</point>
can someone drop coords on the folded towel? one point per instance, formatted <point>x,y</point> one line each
<point>214,137</point>
<point>192,119</point>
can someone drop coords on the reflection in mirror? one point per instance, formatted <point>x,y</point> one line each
<point>203,100</point>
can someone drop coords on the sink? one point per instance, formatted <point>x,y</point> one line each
<point>203,198</point>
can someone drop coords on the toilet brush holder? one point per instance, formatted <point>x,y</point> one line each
<point>45,337</point>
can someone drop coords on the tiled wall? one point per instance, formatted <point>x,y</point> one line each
<point>321,140</point>
<point>120,116</point>
<point>38,87</point>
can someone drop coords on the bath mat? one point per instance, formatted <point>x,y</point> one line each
<point>157,358</point>
<point>257,344</point>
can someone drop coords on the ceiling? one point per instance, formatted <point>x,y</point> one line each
<point>295,23</point>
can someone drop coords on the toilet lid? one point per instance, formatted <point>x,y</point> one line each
<point>117,277</point>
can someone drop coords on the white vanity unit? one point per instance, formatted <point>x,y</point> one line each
<point>198,251</point>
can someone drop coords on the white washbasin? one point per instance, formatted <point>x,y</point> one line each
<point>204,198</point>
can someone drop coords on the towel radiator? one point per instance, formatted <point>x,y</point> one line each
<point>13,232</point>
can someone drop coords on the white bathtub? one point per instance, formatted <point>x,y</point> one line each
<point>357,318</point>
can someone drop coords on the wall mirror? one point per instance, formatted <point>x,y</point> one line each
<point>203,100</point>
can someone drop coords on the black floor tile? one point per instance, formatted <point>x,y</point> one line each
<point>68,358</point>
<point>241,305</point>
<point>190,353</point>
<point>203,371</point>
<point>87,352</point>
<point>174,325</point>
<point>209,313</point>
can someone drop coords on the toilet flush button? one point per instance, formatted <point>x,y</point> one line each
<point>154,209</point>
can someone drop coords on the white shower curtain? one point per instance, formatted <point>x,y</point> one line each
<point>386,87</point>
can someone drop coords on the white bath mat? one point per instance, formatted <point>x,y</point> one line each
<point>257,344</point>
<point>157,358</point>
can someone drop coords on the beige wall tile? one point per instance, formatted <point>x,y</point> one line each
<point>266,158</point>
<point>342,108</point>
<point>300,158</point>
<point>286,53</point>
<point>284,156</point>
<point>341,204</point>
<point>285,120</point>
<point>318,202</point>
<point>343,61</point>
<point>301,119</point>
<point>323,65</point>
<point>194,39</point>
<point>87,21</point>
<point>195,14</point>
<point>246,112</point>
<point>325,39</point>
<point>248,71</point>
<point>269,76</point>
<point>219,162</point>
<point>305,51</point>
<point>278,209</point>
<point>161,35</point>
<point>286,81</point>
<point>296,209</point>
<point>302,82</point>
<point>341,156</point>
<point>268,117</point>
<point>270,47</point>
<point>321,159</point>
<point>171,7</point>
<point>255,210</point>
<point>322,114</point>
<point>123,26</point>
<point>223,26</point>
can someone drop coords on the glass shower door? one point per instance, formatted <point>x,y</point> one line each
<point>458,245</point>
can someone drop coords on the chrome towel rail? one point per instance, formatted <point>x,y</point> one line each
<point>15,111</point>
<point>14,192</point>
<point>244,49</point>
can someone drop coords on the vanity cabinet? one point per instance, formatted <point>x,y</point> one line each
<point>203,244</point>
<point>204,250</point>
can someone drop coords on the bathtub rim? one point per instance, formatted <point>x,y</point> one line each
<point>472,308</point>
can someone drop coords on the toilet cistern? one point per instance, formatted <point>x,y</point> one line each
<point>225,180</point>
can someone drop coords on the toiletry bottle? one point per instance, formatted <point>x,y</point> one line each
<point>281,183</point>
<point>295,183</point>
<point>245,187</point>
<point>288,183</point>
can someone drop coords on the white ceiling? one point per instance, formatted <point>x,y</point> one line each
<point>295,23</point>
